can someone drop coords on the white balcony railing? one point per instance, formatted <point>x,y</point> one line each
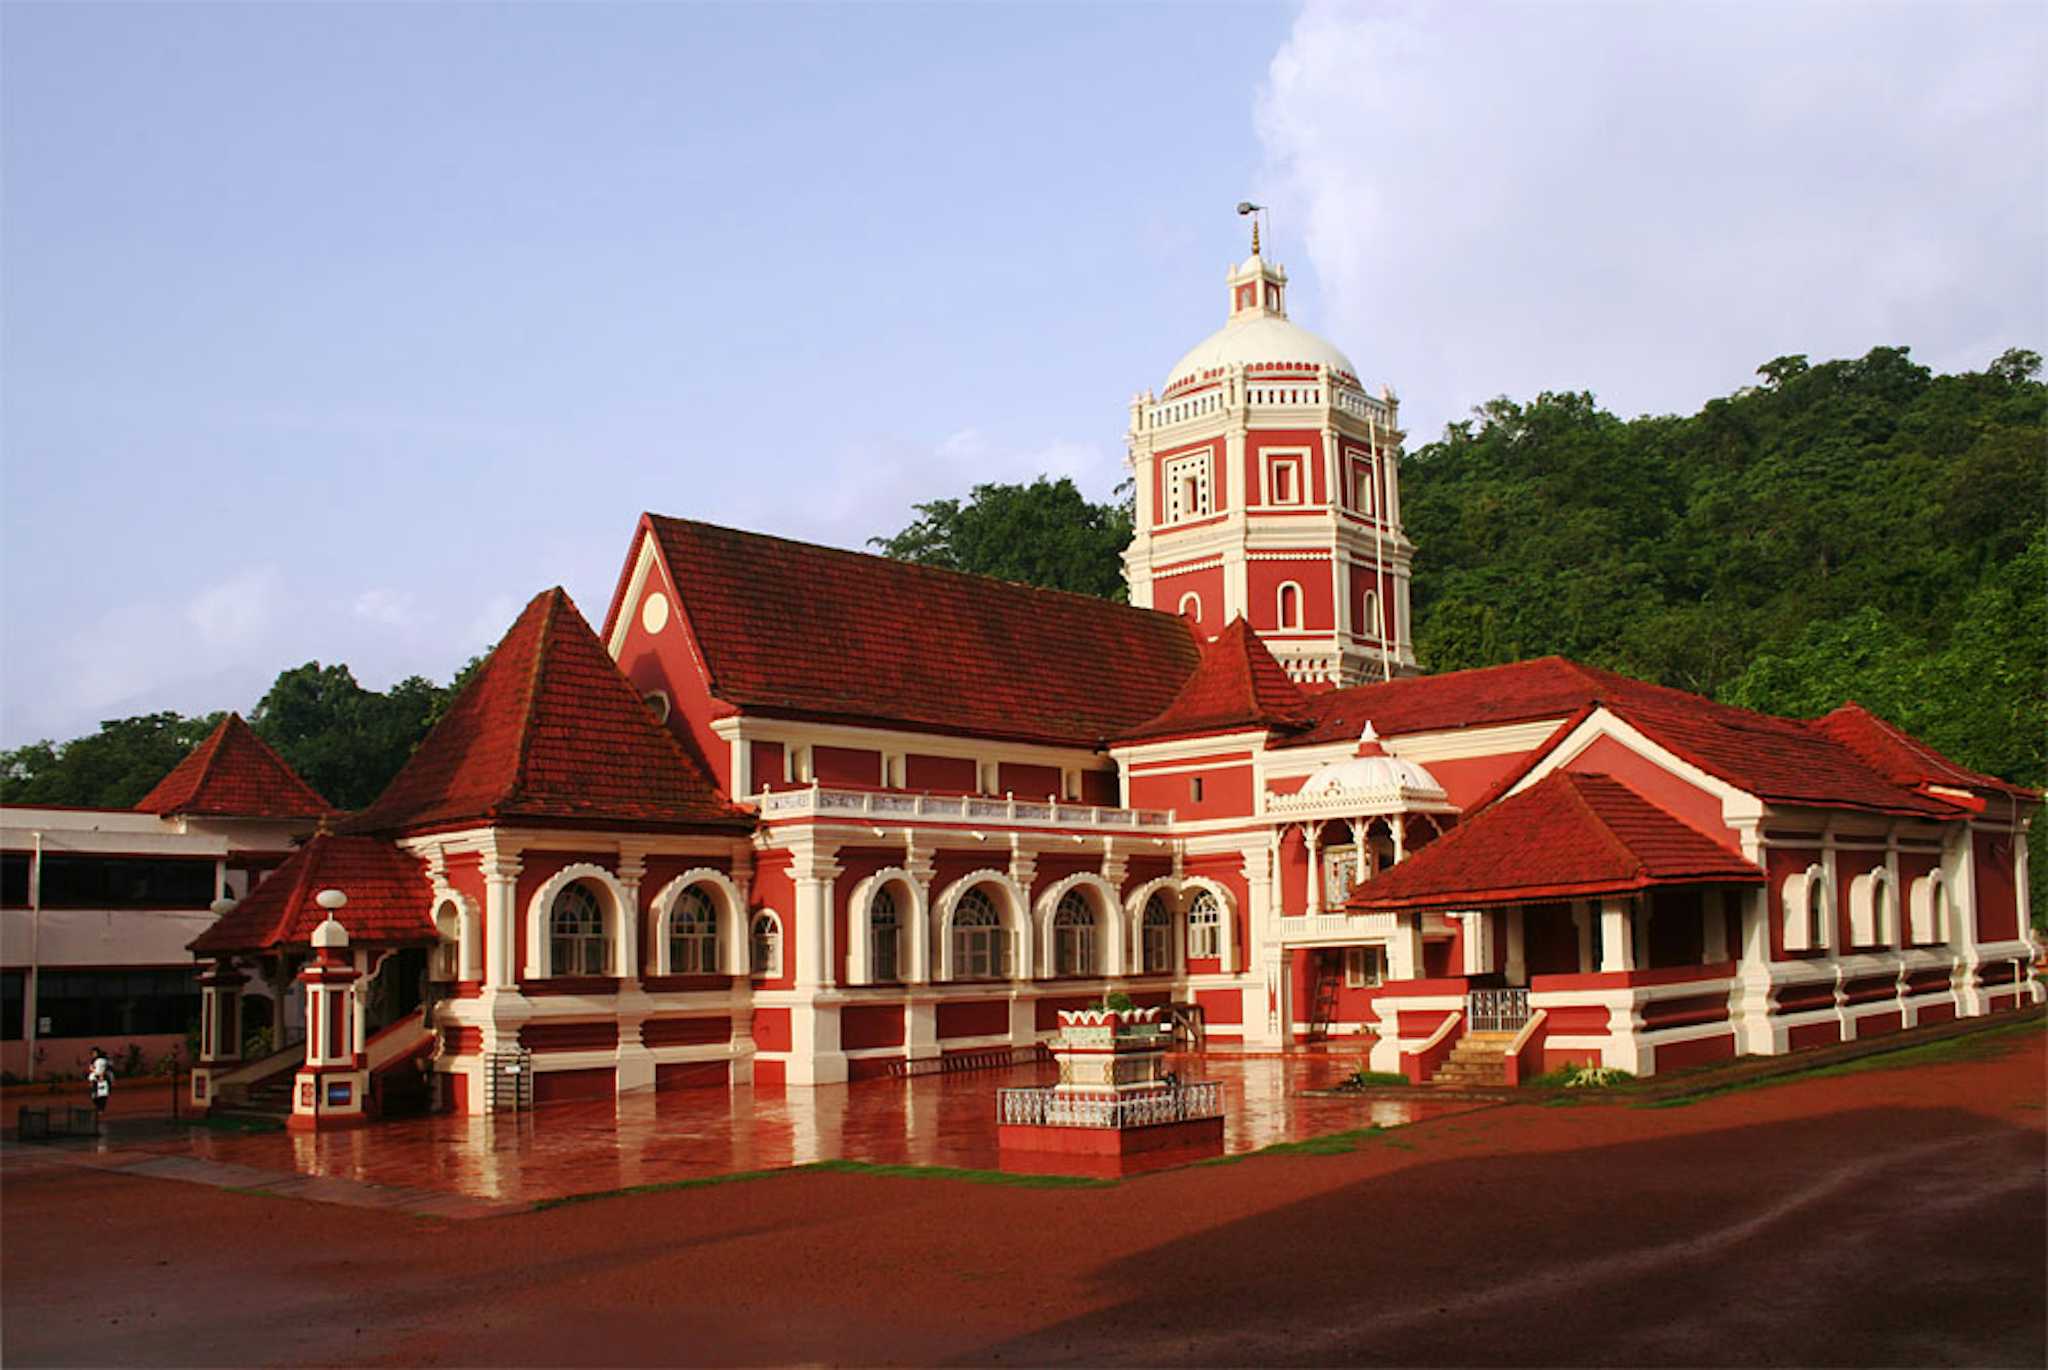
<point>891,806</point>
<point>1046,1107</point>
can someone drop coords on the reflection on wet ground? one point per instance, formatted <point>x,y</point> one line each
<point>640,1139</point>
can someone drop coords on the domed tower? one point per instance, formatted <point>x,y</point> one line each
<point>1268,489</point>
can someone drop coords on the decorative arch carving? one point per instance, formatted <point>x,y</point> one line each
<point>1228,901</point>
<point>916,932</point>
<point>617,912</point>
<point>732,917</point>
<point>1108,906</point>
<point>1134,923</point>
<point>1017,918</point>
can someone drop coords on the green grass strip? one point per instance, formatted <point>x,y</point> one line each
<point>947,1172</point>
<point>1962,1047</point>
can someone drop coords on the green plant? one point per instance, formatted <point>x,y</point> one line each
<point>1118,1002</point>
<point>256,1045</point>
<point>1372,1079</point>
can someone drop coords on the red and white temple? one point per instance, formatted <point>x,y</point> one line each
<point>796,814</point>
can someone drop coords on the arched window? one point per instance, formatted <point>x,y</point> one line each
<point>1191,606</point>
<point>1816,909</point>
<point>1290,605</point>
<point>693,935</point>
<point>577,941</point>
<point>764,945</point>
<point>885,935</point>
<point>1369,616</point>
<point>1073,936</point>
<point>1205,927</point>
<point>1881,909</point>
<point>446,963</point>
<point>1158,935</point>
<point>980,950</point>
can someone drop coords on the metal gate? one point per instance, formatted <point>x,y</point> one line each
<point>508,1081</point>
<point>1497,1010</point>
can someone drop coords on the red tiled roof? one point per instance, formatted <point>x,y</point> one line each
<point>1781,760</point>
<point>549,731</point>
<point>389,898</point>
<point>795,630</point>
<point>1571,835</point>
<point>1904,759</point>
<point>234,774</point>
<point>1236,685</point>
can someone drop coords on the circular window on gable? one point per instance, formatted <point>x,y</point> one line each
<point>654,612</point>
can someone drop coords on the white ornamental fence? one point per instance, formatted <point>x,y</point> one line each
<point>1048,1107</point>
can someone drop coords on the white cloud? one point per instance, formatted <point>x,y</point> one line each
<point>387,608</point>
<point>1650,200</point>
<point>239,610</point>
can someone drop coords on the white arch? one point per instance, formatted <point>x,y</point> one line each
<point>617,920</point>
<point>1933,909</point>
<point>773,970</point>
<point>1134,922</point>
<point>1228,964</point>
<point>1300,615</point>
<point>916,931</point>
<point>731,907</point>
<point>1017,919</point>
<point>1108,907</point>
<point>467,958</point>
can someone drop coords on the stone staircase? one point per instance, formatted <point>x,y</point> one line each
<point>1479,1061</point>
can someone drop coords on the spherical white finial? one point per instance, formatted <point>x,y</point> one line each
<point>221,908</point>
<point>331,900</point>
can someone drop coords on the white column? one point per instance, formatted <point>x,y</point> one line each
<point>1617,928</point>
<point>1399,825</point>
<point>358,997</point>
<point>1713,926</point>
<point>1023,870</point>
<point>918,862</point>
<point>1517,968</point>
<point>1582,923</point>
<point>626,936</point>
<point>812,874</point>
<point>501,892</point>
<point>1312,835</point>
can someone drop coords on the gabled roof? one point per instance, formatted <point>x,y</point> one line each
<point>1236,685</point>
<point>389,899</point>
<point>1571,835</point>
<point>793,630</point>
<point>1904,759</point>
<point>549,731</point>
<point>234,774</point>
<point>1781,760</point>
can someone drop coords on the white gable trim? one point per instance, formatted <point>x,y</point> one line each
<point>1737,805</point>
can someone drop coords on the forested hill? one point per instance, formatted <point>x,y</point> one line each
<point>1862,529</point>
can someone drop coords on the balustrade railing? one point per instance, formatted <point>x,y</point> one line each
<point>895,806</point>
<point>1497,1010</point>
<point>1048,1107</point>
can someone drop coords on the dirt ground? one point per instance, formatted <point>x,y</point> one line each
<point>1894,1216</point>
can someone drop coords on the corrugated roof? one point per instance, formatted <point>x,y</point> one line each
<point>389,899</point>
<point>234,774</point>
<point>549,731</point>
<point>1571,835</point>
<point>795,630</point>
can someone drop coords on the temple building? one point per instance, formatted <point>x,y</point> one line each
<point>791,814</point>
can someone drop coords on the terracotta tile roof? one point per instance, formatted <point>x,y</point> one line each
<point>234,774</point>
<point>795,630</point>
<point>1904,759</point>
<point>1570,835</point>
<point>389,899</point>
<point>1778,759</point>
<point>549,731</point>
<point>1237,685</point>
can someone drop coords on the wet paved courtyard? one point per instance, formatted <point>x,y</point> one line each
<point>937,1120</point>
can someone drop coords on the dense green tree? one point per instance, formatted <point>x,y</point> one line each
<point>1045,533</point>
<point>112,768</point>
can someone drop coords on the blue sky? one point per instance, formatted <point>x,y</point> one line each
<point>338,331</point>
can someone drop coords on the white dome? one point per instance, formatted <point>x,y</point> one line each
<point>1258,338</point>
<point>1379,772</point>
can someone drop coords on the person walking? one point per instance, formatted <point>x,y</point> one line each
<point>99,1080</point>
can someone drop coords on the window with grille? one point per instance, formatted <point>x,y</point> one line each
<point>693,935</point>
<point>577,940</point>
<point>1205,927</point>
<point>1073,936</point>
<point>1364,967</point>
<point>885,936</point>
<point>1187,488</point>
<point>1157,935</point>
<point>980,948</point>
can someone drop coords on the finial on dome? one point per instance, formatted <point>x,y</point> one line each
<point>1369,741</point>
<point>1255,237</point>
<point>1247,207</point>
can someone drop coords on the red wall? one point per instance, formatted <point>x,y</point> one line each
<point>1680,798</point>
<point>1263,580</point>
<point>1259,441</point>
<point>1028,782</point>
<point>671,661</point>
<point>766,761</point>
<point>1167,591</point>
<point>939,774</point>
<point>1226,791</point>
<point>1997,901</point>
<point>846,766</point>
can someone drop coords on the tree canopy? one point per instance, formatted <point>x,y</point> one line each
<point>1045,533</point>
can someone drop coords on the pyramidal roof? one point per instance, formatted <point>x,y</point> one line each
<point>1570,835</point>
<point>389,898</point>
<point>234,774</point>
<point>549,731</point>
<point>1237,684</point>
